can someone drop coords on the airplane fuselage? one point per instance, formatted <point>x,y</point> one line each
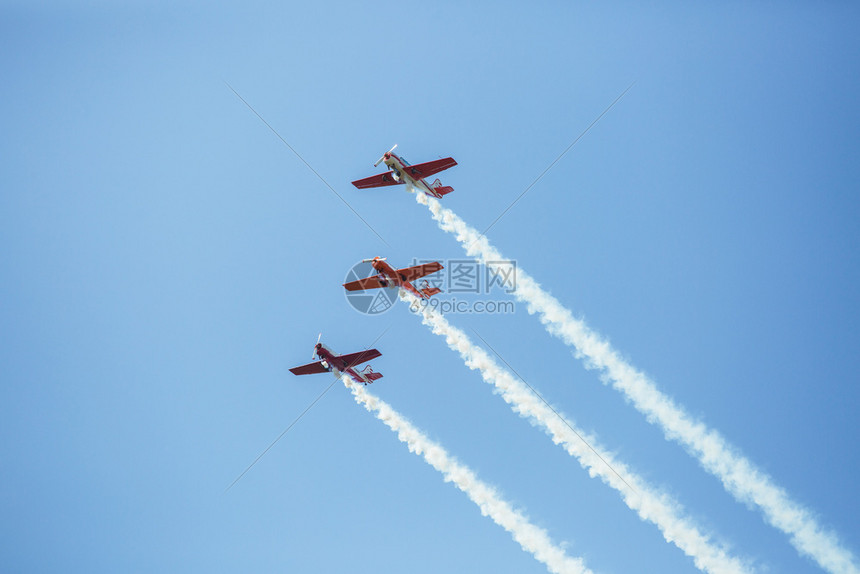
<point>400,167</point>
<point>330,360</point>
<point>391,275</point>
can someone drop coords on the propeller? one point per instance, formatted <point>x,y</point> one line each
<point>383,156</point>
<point>374,259</point>
<point>314,353</point>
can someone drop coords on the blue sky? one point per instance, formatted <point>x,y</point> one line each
<point>166,259</point>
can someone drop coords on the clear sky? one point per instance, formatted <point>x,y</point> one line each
<point>166,258</point>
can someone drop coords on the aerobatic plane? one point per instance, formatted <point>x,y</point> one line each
<point>390,277</point>
<point>343,363</point>
<point>403,172</point>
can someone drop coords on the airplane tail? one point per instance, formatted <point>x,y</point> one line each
<point>370,374</point>
<point>441,189</point>
<point>427,291</point>
<point>430,291</point>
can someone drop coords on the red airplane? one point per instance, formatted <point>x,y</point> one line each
<point>343,363</point>
<point>390,277</point>
<point>413,175</point>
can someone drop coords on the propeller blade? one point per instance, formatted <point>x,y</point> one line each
<point>314,353</point>
<point>383,156</point>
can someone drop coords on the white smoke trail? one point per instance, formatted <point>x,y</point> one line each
<point>739,476</point>
<point>650,505</point>
<point>531,538</point>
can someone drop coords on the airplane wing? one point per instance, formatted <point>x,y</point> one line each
<point>413,273</point>
<point>354,359</point>
<point>380,180</point>
<point>309,369</point>
<point>429,168</point>
<point>361,284</point>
